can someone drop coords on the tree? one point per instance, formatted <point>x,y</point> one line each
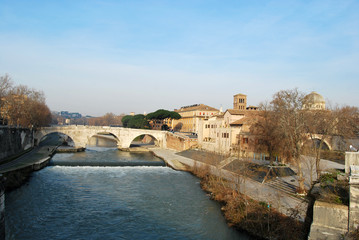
<point>22,106</point>
<point>321,124</point>
<point>348,122</point>
<point>126,119</point>
<point>163,114</point>
<point>5,86</point>
<point>136,121</point>
<point>109,119</point>
<point>291,129</point>
<point>160,115</point>
<point>264,127</point>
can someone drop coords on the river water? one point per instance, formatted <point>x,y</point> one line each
<point>113,202</point>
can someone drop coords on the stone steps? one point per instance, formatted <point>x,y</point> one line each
<point>281,185</point>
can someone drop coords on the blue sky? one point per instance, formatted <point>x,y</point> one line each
<point>95,57</point>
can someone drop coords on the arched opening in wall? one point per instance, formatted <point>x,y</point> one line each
<point>56,139</point>
<point>178,127</point>
<point>104,140</point>
<point>311,144</point>
<point>144,140</point>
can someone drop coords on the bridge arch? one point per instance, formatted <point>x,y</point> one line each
<point>41,136</point>
<point>103,139</point>
<point>316,140</point>
<point>144,139</point>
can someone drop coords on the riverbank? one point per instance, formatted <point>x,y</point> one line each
<point>245,202</point>
<point>15,174</point>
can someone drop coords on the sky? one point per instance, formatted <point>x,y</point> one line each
<point>123,56</point>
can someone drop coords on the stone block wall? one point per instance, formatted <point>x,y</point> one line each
<point>2,209</point>
<point>179,143</point>
<point>14,140</point>
<point>353,194</point>
<point>330,221</point>
<point>351,158</point>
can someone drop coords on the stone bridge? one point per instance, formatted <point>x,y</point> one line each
<point>82,134</point>
<point>328,141</point>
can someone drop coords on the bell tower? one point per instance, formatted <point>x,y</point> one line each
<point>240,101</point>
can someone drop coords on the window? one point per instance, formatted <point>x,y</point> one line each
<point>225,135</point>
<point>245,140</point>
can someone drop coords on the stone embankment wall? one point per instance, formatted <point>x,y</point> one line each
<point>13,141</point>
<point>179,143</point>
<point>2,209</point>
<point>330,221</point>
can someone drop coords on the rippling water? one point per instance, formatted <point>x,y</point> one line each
<point>83,202</point>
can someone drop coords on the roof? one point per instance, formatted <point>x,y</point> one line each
<point>240,121</point>
<point>248,119</point>
<point>236,111</point>
<point>200,107</point>
<point>313,98</point>
<point>239,94</point>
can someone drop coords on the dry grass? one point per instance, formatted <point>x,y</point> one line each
<point>353,235</point>
<point>247,214</point>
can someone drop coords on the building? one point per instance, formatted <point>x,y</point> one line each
<point>161,124</point>
<point>214,136</point>
<point>232,115</point>
<point>66,114</point>
<point>314,101</point>
<point>252,108</point>
<point>228,133</point>
<point>240,101</point>
<point>191,116</point>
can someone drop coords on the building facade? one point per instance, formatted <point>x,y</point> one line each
<point>240,101</point>
<point>229,133</point>
<point>190,116</point>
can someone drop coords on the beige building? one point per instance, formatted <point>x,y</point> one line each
<point>214,136</point>
<point>228,133</point>
<point>232,115</point>
<point>314,101</point>
<point>240,101</point>
<point>191,116</point>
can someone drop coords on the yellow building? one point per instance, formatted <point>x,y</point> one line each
<point>158,124</point>
<point>191,116</point>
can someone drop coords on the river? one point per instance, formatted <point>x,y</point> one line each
<point>113,195</point>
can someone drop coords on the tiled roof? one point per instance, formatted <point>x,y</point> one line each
<point>200,107</point>
<point>248,119</point>
<point>236,111</point>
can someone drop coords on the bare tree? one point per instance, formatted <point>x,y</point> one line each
<point>291,130</point>
<point>348,122</point>
<point>5,86</point>
<point>106,120</point>
<point>264,127</point>
<point>321,124</point>
<point>22,106</point>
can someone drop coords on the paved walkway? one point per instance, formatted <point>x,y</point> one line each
<point>34,156</point>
